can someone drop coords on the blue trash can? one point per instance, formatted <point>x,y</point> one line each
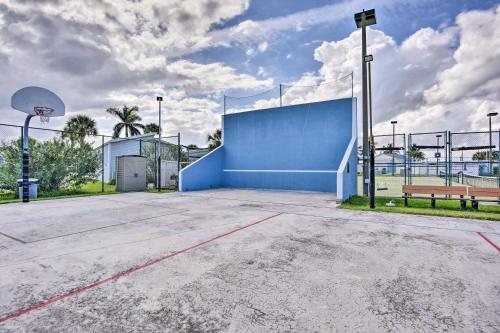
<point>33,188</point>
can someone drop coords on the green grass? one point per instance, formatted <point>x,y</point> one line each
<point>423,207</point>
<point>85,190</point>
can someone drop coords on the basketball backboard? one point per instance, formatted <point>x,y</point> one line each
<point>31,99</point>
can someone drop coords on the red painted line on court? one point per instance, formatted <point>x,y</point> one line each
<point>489,241</point>
<point>127,272</point>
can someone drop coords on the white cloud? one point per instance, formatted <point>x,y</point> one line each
<point>444,79</point>
<point>299,21</point>
<point>97,54</point>
<point>263,47</point>
<point>262,72</point>
<point>198,78</point>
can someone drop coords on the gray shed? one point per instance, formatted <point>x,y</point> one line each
<point>131,173</point>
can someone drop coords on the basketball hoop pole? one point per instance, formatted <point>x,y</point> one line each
<point>26,159</point>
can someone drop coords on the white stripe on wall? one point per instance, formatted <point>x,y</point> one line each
<point>285,171</point>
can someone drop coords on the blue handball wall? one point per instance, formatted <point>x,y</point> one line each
<point>309,147</point>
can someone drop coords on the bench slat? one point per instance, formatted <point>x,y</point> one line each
<point>484,192</point>
<point>433,189</point>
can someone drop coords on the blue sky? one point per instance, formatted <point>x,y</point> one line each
<point>429,68</point>
<point>399,21</point>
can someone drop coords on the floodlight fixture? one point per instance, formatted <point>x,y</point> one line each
<point>394,122</point>
<point>492,114</point>
<point>369,18</point>
<point>159,98</point>
<point>368,58</point>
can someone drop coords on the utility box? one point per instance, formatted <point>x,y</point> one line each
<point>130,173</point>
<point>33,188</point>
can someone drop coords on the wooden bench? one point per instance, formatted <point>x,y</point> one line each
<point>447,191</point>
<point>483,192</point>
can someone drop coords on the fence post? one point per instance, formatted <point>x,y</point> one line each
<point>156,164</point>
<point>281,94</point>
<point>405,146</point>
<point>159,167</point>
<point>409,159</point>
<point>352,84</point>
<point>450,159</point>
<point>178,154</point>
<point>224,104</point>
<point>102,163</point>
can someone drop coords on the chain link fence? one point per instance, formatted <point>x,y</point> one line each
<point>390,164</point>
<point>474,158</point>
<point>434,158</point>
<point>66,163</point>
<point>293,94</point>
<point>427,158</point>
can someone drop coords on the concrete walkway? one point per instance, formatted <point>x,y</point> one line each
<point>242,261</point>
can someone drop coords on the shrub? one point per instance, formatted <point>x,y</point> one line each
<point>55,163</point>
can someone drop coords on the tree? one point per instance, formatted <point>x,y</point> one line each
<point>215,139</point>
<point>482,155</point>
<point>415,153</point>
<point>55,163</point>
<point>151,128</point>
<point>128,120</point>
<point>78,127</point>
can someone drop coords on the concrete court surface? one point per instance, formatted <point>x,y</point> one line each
<point>242,261</point>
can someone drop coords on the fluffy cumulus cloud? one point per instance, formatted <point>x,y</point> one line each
<point>97,54</point>
<point>444,79</point>
<point>102,53</point>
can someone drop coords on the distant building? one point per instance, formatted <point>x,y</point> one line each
<point>384,163</point>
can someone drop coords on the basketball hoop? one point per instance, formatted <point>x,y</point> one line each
<point>44,113</point>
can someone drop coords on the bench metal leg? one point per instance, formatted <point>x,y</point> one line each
<point>475,203</point>
<point>406,201</point>
<point>433,201</point>
<point>463,202</point>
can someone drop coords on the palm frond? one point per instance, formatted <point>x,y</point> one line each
<point>117,129</point>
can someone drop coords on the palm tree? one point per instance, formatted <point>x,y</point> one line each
<point>129,120</point>
<point>215,139</point>
<point>415,153</point>
<point>78,127</point>
<point>151,128</point>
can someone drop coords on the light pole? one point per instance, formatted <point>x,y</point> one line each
<point>364,19</point>
<point>159,99</point>
<point>394,122</point>
<point>368,59</point>
<point>490,153</point>
<point>437,154</point>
